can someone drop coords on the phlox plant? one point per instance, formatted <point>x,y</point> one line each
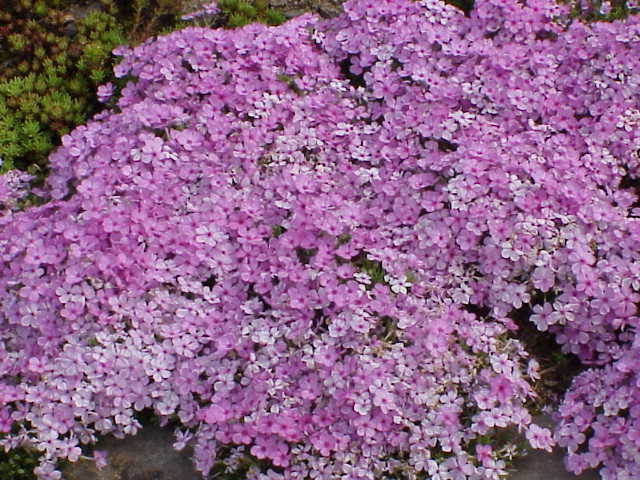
<point>14,185</point>
<point>304,243</point>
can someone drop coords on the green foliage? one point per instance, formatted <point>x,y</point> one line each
<point>54,55</point>
<point>236,13</point>
<point>18,464</point>
<point>465,5</point>
<point>290,81</point>
<point>144,18</point>
<point>591,11</point>
<point>277,230</point>
<point>372,268</point>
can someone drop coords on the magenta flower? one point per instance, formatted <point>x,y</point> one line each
<point>539,437</point>
<point>100,457</point>
<point>105,92</point>
<point>310,243</point>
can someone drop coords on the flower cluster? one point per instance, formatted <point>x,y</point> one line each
<point>303,243</point>
<point>209,9</point>
<point>14,185</point>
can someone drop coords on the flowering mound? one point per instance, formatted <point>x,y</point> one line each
<point>303,243</point>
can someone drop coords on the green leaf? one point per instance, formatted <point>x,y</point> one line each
<point>7,164</point>
<point>17,42</point>
<point>97,76</point>
<point>30,128</point>
<point>247,10</point>
<point>274,17</point>
<point>13,87</point>
<point>41,144</point>
<point>226,5</point>
<point>236,20</point>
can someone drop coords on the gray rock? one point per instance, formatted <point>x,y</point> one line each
<point>324,8</point>
<point>149,455</point>
<point>290,8</point>
<point>542,465</point>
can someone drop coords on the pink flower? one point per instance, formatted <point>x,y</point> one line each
<point>484,453</point>
<point>539,437</point>
<point>104,92</point>
<point>217,413</point>
<point>230,247</point>
<point>100,458</point>
<point>5,420</point>
<point>323,442</point>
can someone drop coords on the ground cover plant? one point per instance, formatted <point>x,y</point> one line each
<point>305,244</point>
<point>51,65</point>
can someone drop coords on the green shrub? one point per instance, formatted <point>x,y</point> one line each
<point>53,61</point>
<point>236,13</point>
<point>601,11</point>
<point>52,64</point>
<point>145,18</point>
<point>18,464</point>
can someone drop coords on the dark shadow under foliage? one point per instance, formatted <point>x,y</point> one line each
<point>465,5</point>
<point>557,369</point>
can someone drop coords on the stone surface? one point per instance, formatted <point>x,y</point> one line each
<point>290,8</point>
<point>324,8</point>
<point>149,455</point>
<point>542,465</point>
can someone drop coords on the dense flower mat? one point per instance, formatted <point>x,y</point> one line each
<point>303,243</point>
